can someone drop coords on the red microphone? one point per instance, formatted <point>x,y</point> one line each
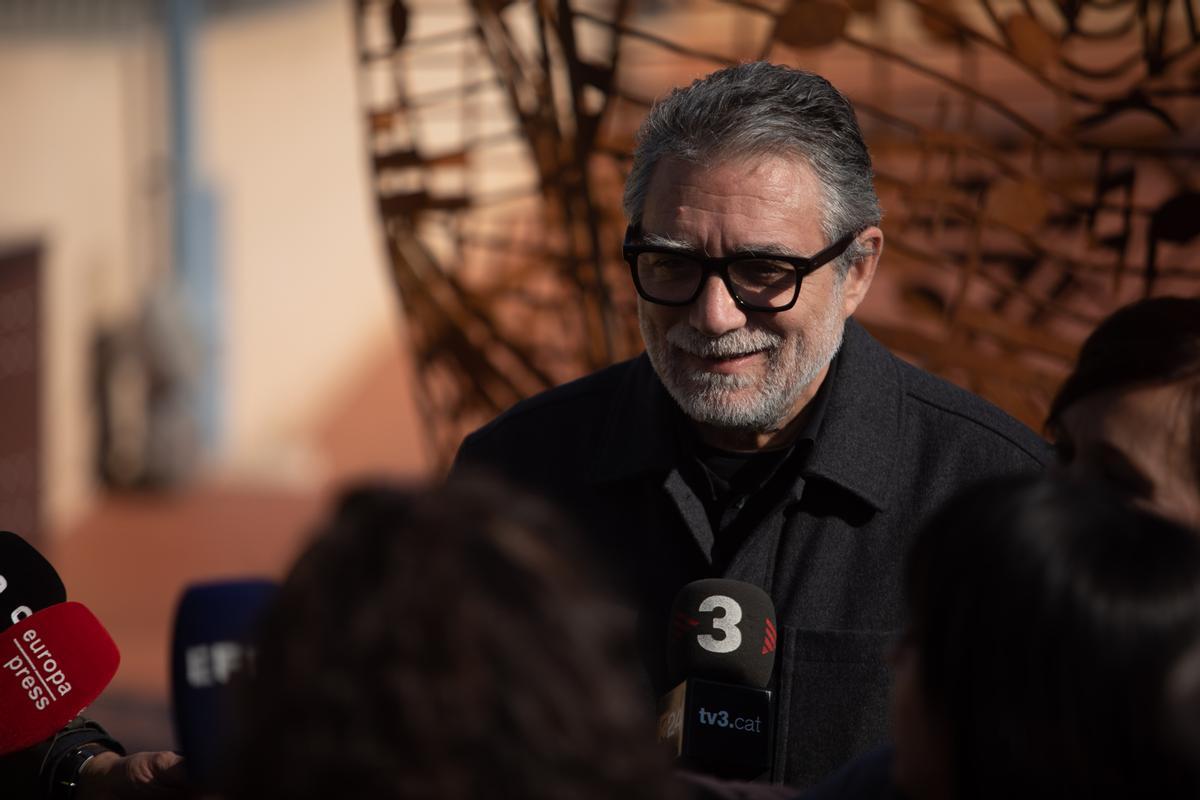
<point>53,664</point>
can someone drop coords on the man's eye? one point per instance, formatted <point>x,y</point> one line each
<point>666,261</point>
<point>764,272</point>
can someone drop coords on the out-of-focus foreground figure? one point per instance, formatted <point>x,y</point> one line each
<point>445,644</point>
<point>1129,414</point>
<point>1046,620</point>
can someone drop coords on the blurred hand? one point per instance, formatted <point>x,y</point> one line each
<point>109,776</point>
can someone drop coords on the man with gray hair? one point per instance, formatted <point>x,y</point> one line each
<point>764,436</point>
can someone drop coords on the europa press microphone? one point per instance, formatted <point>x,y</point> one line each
<point>213,627</point>
<point>27,581</point>
<point>55,657</point>
<point>721,649</point>
<point>53,664</point>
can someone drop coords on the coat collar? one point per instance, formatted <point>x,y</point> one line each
<point>637,435</point>
<point>859,439</point>
<point>855,447</point>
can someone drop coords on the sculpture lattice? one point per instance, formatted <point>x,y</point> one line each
<point>1037,161</point>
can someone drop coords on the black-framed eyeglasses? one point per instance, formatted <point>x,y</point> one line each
<point>670,276</point>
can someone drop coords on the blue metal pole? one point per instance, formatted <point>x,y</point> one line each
<point>195,221</point>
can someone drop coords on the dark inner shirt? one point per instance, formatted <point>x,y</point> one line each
<point>737,488</point>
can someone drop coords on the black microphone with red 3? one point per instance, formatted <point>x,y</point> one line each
<point>721,649</point>
<point>212,645</point>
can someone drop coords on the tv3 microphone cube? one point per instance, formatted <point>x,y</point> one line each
<point>718,728</point>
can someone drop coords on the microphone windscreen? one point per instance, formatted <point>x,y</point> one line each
<point>52,666</point>
<point>722,630</point>
<point>213,628</point>
<point>27,581</point>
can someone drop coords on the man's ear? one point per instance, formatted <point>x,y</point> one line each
<point>862,272</point>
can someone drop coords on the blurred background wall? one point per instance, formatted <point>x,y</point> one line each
<point>284,209</point>
<point>195,351</point>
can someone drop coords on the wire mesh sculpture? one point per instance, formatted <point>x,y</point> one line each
<point>1036,159</point>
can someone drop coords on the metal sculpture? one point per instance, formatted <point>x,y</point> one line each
<point>1037,161</point>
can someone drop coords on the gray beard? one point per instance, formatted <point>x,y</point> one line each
<point>710,399</point>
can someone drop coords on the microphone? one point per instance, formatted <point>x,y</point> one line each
<point>53,664</point>
<point>213,627</point>
<point>27,581</point>
<point>721,649</point>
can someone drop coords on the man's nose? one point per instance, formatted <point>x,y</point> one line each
<point>714,312</point>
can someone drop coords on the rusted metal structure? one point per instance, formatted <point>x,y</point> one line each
<point>1037,162</point>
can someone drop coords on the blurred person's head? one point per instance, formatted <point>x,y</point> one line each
<point>445,644</point>
<point>1045,620</point>
<point>1129,413</point>
<point>1183,704</point>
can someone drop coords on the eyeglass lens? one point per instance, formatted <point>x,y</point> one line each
<point>756,281</point>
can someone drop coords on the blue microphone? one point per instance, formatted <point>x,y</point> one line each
<point>214,625</point>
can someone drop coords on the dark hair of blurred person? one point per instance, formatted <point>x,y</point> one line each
<point>445,644</point>
<point>1045,620</point>
<point>1183,703</point>
<point>1129,413</point>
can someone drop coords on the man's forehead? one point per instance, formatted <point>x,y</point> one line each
<point>689,244</point>
<point>766,204</point>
